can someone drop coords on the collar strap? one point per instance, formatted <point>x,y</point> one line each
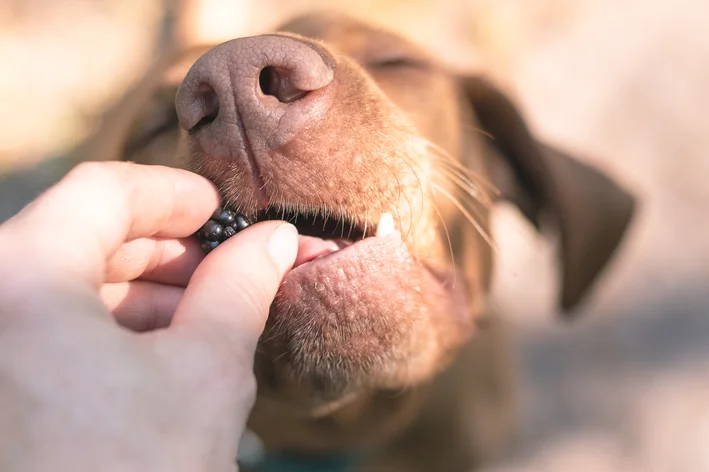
<point>290,462</point>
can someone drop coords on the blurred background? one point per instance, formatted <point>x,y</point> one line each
<point>622,83</point>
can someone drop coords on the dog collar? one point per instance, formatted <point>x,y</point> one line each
<point>286,462</point>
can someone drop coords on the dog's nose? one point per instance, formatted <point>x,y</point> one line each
<point>263,89</point>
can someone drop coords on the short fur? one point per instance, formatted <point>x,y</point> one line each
<point>412,381</point>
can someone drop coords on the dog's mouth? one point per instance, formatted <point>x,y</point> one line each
<point>353,313</point>
<point>322,234</point>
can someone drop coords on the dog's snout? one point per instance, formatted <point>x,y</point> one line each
<point>253,82</point>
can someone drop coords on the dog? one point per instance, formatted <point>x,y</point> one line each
<point>381,355</point>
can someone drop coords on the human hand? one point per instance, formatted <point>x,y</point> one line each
<point>103,248</point>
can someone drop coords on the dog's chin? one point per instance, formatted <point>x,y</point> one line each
<point>365,316</point>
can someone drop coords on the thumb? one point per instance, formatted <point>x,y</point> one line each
<point>231,291</point>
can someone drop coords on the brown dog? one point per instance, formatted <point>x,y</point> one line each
<point>373,350</point>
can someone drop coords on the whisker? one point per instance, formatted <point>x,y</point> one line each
<point>467,186</point>
<point>467,125</point>
<point>449,160</point>
<point>412,165</point>
<point>280,356</point>
<point>398,202</point>
<point>415,168</point>
<point>473,204</point>
<point>470,217</point>
<point>474,177</point>
<point>349,233</point>
<point>448,238</point>
<point>420,187</point>
<point>398,216</point>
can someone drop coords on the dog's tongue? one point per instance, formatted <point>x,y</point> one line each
<point>310,247</point>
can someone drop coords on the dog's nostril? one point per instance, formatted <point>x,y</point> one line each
<point>276,82</point>
<point>208,103</point>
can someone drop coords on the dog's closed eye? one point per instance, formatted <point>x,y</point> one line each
<point>396,62</point>
<point>395,59</point>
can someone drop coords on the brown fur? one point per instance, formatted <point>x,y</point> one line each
<point>400,371</point>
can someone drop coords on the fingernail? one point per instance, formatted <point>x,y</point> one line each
<point>283,246</point>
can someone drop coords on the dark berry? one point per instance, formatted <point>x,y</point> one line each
<point>223,225</point>
<point>240,223</point>
<point>212,230</point>
<point>229,231</point>
<point>207,246</point>
<point>223,216</point>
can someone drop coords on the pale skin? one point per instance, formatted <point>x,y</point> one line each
<point>123,348</point>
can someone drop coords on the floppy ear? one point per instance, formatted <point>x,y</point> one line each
<point>591,211</point>
<point>142,125</point>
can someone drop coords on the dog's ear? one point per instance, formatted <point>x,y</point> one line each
<point>135,127</point>
<point>153,135</point>
<point>590,210</point>
<point>142,125</point>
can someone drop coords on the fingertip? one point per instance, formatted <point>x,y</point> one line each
<point>236,283</point>
<point>283,246</point>
<point>278,238</point>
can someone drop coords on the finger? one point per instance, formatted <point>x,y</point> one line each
<point>231,291</point>
<point>141,306</point>
<point>165,261</point>
<point>99,206</point>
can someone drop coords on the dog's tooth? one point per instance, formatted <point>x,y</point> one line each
<point>386,225</point>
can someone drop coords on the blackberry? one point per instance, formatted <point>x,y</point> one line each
<point>207,246</point>
<point>223,225</point>
<point>212,230</point>
<point>240,223</point>
<point>223,216</point>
